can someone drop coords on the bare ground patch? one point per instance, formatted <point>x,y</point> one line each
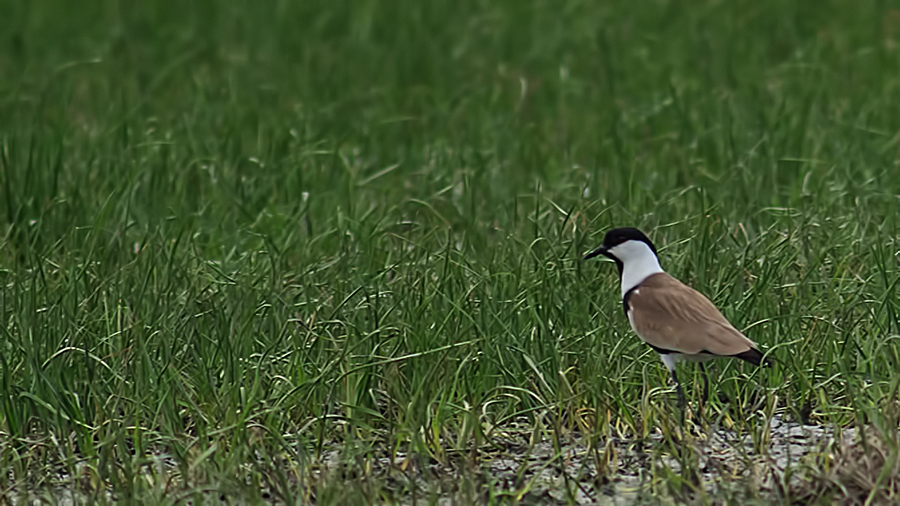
<point>789,461</point>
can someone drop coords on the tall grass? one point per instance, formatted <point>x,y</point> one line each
<point>237,236</point>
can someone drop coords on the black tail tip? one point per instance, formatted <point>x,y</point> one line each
<point>755,357</point>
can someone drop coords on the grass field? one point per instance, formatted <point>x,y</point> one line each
<point>329,251</point>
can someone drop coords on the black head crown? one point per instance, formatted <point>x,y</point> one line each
<point>616,237</point>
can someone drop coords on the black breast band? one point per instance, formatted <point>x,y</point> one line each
<point>627,296</point>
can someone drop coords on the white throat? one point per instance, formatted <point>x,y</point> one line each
<point>638,263</point>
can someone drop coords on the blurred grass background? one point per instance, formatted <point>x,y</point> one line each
<point>233,229</point>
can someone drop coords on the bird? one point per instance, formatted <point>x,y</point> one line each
<point>677,321</point>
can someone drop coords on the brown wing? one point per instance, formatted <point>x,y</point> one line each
<point>670,315</point>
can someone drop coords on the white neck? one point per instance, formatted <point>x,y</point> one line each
<point>638,261</point>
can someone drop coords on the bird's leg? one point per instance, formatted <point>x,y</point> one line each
<point>705,383</point>
<point>705,396</point>
<point>681,402</point>
<point>669,361</point>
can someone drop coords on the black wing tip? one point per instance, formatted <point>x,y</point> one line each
<point>752,355</point>
<point>755,357</point>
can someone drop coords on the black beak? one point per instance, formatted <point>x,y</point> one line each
<point>599,251</point>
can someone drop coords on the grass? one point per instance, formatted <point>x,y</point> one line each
<point>329,251</point>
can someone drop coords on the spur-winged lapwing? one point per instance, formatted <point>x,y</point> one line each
<point>673,318</point>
